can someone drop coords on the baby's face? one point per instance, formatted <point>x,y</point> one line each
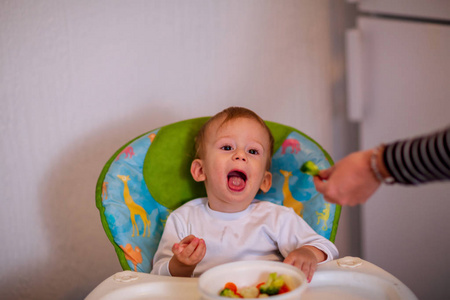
<point>234,163</point>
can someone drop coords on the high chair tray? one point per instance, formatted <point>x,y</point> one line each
<point>347,278</point>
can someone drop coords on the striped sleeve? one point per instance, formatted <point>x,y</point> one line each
<point>419,160</point>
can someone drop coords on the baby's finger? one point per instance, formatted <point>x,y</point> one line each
<point>187,240</point>
<point>190,248</point>
<point>176,249</point>
<point>199,252</point>
<point>309,270</point>
<point>306,270</point>
<point>288,260</point>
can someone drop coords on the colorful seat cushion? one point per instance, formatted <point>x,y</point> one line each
<point>149,177</point>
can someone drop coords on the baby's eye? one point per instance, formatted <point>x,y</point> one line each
<point>253,151</point>
<point>226,148</point>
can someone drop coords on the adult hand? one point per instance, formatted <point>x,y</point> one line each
<point>350,181</point>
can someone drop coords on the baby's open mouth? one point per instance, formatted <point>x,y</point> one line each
<point>236,180</point>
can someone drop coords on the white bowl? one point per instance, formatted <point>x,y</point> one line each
<point>249,273</point>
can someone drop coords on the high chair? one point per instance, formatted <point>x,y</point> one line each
<point>149,177</point>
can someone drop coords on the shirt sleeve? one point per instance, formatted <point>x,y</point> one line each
<point>419,160</point>
<point>295,233</point>
<point>173,233</point>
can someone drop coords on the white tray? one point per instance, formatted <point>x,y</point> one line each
<point>347,278</point>
<point>350,285</point>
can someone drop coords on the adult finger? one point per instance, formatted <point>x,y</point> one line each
<point>323,188</point>
<point>326,173</point>
<point>320,181</point>
<point>319,184</point>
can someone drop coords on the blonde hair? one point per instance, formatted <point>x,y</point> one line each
<point>232,113</point>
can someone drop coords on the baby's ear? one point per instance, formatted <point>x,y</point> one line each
<point>266,182</point>
<point>197,170</point>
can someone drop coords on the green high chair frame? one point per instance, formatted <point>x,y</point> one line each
<point>149,177</point>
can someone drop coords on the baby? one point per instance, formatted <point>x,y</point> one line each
<point>234,150</point>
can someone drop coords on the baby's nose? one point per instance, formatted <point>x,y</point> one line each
<point>239,156</point>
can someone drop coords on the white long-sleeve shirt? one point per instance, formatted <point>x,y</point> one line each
<point>264,231</point>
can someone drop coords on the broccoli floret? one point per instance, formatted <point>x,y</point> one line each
<point>310,168</point>
<point>228,293</point>
<point>273,285</point>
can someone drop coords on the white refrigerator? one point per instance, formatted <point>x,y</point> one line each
<point>398,62</point>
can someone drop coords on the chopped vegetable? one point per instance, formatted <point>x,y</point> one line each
<point>288,283</point>
<point>231,286</point>
<point>310,168</point>
<point>273,285</point>
<point>249,292</point>
<point>229,293</point>
<point>283,289</point>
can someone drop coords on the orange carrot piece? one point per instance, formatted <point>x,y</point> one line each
<point>231,286</point>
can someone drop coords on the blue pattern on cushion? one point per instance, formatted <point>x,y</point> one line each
<point>117,212</point>
<point>301,185</point>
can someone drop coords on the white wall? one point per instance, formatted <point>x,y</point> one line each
<point>79,78</point>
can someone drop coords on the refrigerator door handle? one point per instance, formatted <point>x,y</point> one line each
<point>355,102</point>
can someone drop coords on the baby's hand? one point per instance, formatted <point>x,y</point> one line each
<point>186,255</point>
<point>306,259</point>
